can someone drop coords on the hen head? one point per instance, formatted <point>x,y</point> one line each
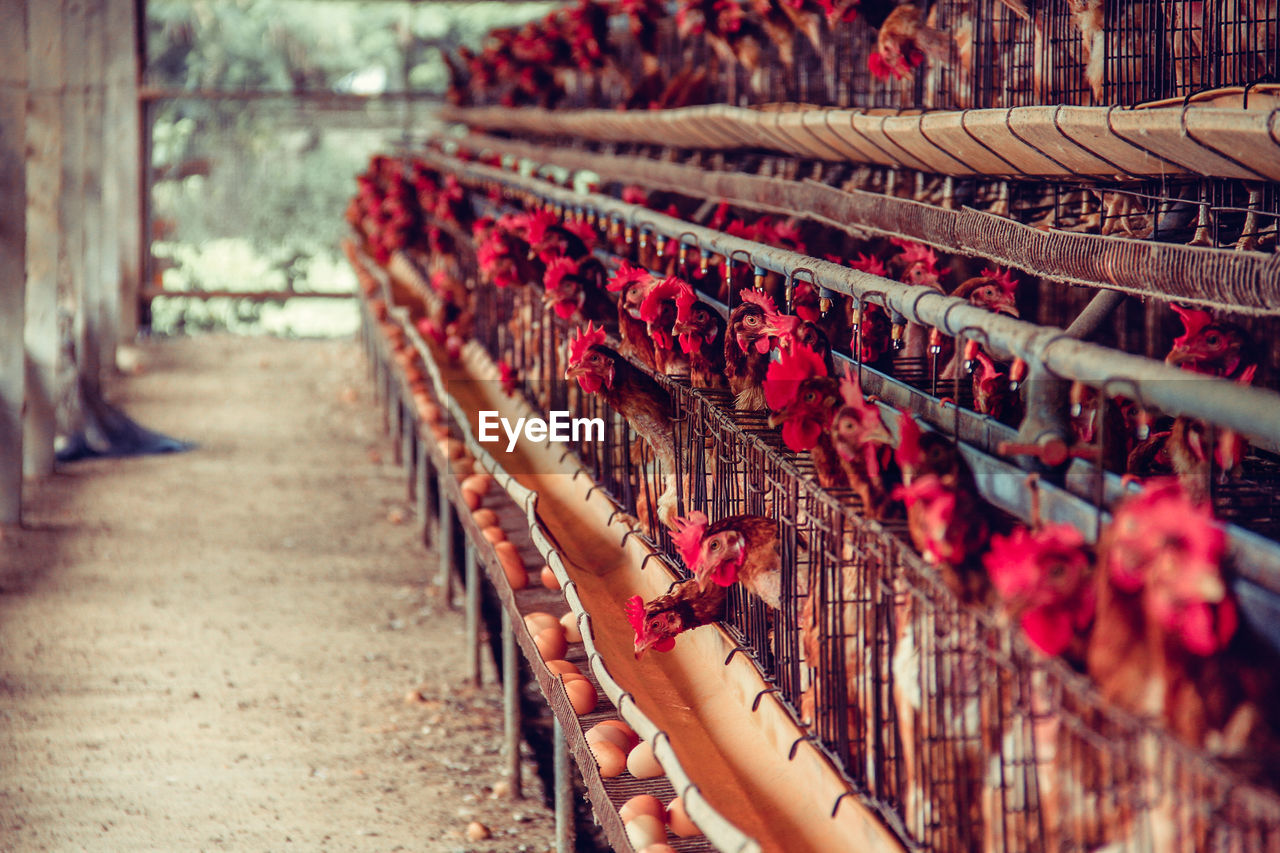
<point>713,555</point>
<point>591,362</point>
<point>1169,548</point>
<point>1042,577</point>
<point>932,523</point>
<point>632,285</point>
<point>542,235</point>
<point>989,384</point>
<point>995,290</point>
<point>697,323</point>
<point>1216,348</point>
<point>655,627</point>
<point>802,396</point>
<point>658,310</point>
<point>564,290</point>
<point>756,323</point>
<point>857,423</point>
<point>921,263</point>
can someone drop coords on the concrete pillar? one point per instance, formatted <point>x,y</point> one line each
<point>13,251</point>
<point>122,180</point>
<point>44,234</point>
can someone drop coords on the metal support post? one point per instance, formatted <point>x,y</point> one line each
<point>473,616</point>
<point>564,792</point>
<point>511,704</point>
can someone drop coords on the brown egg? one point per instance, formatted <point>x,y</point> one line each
<point>644,830</point>
<point>610,759</point>
<point>430,412</point>
<point>484,518</point>
<point>462,468</point>
<point>679,821</point>
<point>642,804</point>
<point>641,762</point>
<point>569,622</point>
<point>452,448</point>
<point>472,500</point>
<point>494,534</point>
<point>566,677</point>
<point>513,568</point>
<point>478,483</point>
<point>550,643</point>
<point>610,733</point>
<point>657,848</point>
<point>582,696</point>
<point>632,738</point>
<point>563,667</point>
<point>549,579</point>
<point>536,620</point>
<point>441,433</point>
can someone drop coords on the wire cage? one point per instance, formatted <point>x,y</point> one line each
<point>939,715</point>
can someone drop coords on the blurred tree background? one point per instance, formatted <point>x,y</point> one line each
<point>260,113</point>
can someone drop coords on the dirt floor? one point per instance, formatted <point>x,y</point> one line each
<point>240,647</point>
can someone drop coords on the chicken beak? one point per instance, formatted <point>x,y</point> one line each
<point>1211,588</point>
<point>880,433</point>
<point>777,419</point>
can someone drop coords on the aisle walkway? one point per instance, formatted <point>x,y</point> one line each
<point>234,648</point>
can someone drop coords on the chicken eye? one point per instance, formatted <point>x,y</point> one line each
<point>1213,339</point>
<point>752,320</point>
<point>715,545</point>
<point>810,397</point>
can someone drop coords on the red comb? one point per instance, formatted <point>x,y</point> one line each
<point>908,452</point>
<point>668,288</point>
<point>634,195</point>
<point>557,270</point>
<point>784,376</point>
<point>878,67</point>
<point>1004,278</point>
<point>869,263</point>
<point>916,253</point>
<point>627,274</point>
<point>851,392</point>
<point>584,340</point>
<point>538,223</point>
<point>686,535</point>
<point>583,231</point>
<point>763,300</point>
<point>1193,320</point>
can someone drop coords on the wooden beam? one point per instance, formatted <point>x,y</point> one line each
<point>245,295</point>
<point>13,252</point>
<point>44,237</point>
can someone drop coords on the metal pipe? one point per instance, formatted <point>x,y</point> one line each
<point>1253,412</point>
<point>511,705</point>
<point>423,505</point>
<point>565,830</point>
<point>472,615</point>
<point>1094,314</point>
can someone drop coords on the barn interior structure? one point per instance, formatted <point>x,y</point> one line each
<point>846,425</point>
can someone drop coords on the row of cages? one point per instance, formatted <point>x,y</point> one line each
<point>949,54</point>
<point>938,714</point>
<point>1215,213</point>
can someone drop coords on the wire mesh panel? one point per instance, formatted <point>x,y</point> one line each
<point>935,711</point>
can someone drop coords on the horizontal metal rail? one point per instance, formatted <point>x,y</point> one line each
<point>1253,412</point>
<point>1216,278</point>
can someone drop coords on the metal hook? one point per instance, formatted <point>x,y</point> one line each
<point>652,555</point>
<point>736,649</point>
<point>628,534</point>
<point>835,807</point>
<point>755,703</point>
<point>807,736</point>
